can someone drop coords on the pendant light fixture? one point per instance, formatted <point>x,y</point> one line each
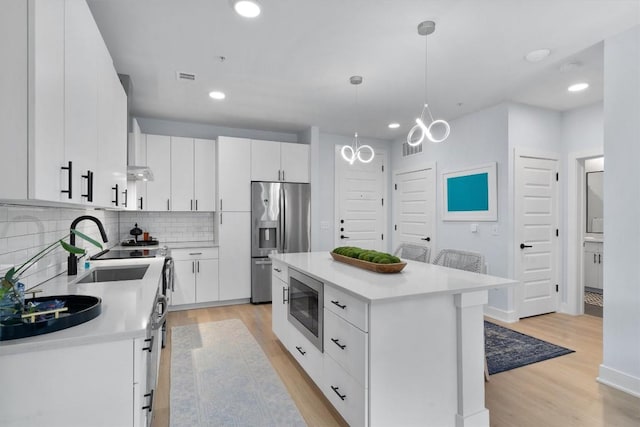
<point>356,151</point>
<point>427,128</point>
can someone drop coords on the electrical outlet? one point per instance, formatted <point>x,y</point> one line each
<point>494,230</point>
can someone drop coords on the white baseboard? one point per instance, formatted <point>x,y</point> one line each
<point>501,315</point>
<point>209,304</point>
<point>568,309</point>
<point>619,380</point>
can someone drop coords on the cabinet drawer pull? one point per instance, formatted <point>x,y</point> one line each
<point>149,407</point>
<point>117,194</point>
<point>302,352</point>
<point>191,208</point>
<point>195,253</point>
<point>141,203</point>
<point>336,341</point>
<point>89,178</point>
<point>277,269</point>
<point>126,197</point>
<point>594,258</point>
<point>599,259</point>
<point>335,390</point>
<point>342,306</point>
<point>285,299</point>
<point>149,346</point>
<point>69,189</point>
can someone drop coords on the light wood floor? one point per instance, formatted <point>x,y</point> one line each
<point>559,392</point>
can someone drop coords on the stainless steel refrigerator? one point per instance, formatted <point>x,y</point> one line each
<point>280,222</point>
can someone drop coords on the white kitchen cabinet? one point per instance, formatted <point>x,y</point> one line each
<point>593,262</point>
<point>279,161</point>
<point>192,174</point>
<point>52,105</point>
<point>234,237</point>
<point>234,174</point>
<point>196,276</point>
<point>280,302</point>
<point>159,161</point>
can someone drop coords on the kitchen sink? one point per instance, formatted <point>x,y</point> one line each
<point>113,274</point>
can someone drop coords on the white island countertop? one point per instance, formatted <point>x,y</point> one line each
<point>416,279</point>
<point>126,308</point>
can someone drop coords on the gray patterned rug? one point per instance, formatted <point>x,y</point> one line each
<point>507,349</point>
<point>221,377</point>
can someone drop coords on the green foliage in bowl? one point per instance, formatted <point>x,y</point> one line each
<point>366,255</point>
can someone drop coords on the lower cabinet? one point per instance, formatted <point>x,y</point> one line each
<point>196,276</point>
<point>279,305</point>
<point>593,259</point>
<point>234,237</point>
<point>83,385</point>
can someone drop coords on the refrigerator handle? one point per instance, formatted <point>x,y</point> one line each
<point>283,222</point>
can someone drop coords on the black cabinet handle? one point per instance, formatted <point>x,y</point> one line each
<point>599,259</point>
<point>335,390</point>
<point>339,305</point>
<point>191,208</point>
<point>302,352</point>
<point>343,237</point>
<point>522,246</point>
<point>428,239</point>
<point>277,269</point>
<point>126,197</point>
<point>594,258</point>
<point>69,189</point>
<point>149,347</point>
<point>196,204</point>
<point>283,174</point>
<point>198,266</point>
<point>336,341</point>
<point>168,205</point>
<point>89,178</point>
<point>117,193</point>
<point>141,208</point>
<point>149,407</point>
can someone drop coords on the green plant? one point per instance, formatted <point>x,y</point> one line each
<point>366,255</point>
<point>10,280</point>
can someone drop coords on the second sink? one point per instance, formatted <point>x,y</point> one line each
<point>112,274</point>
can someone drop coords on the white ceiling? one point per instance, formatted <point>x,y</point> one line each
<point>289,68</point>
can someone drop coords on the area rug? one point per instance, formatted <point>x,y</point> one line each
<point>221,377</point>
<point>593,298</point>
<point>507,349</point>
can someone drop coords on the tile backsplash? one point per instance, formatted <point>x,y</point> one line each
<point>169,227</point>
<point>26,230</point>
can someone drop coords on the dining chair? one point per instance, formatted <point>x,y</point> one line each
<point>413,252</point>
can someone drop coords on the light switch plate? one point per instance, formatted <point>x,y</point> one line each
<point>473,228</point>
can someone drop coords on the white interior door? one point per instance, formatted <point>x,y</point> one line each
<point>536,225</point>
<point>360,191</point>
<point>414,207</point>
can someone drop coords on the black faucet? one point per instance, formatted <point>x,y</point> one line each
<point>72,260</point>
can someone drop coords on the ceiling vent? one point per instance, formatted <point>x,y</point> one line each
<point>185,76</point>
<point>408,150</point>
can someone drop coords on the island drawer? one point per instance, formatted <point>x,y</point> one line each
<point>194,253</point>
<point>346,306</point>
<point>347,345</point>
<point>344,393</point>
<point>307,355</point>
<point>280,270</point>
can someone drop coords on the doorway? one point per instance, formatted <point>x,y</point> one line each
<point>360,195</point>
<point>593,214</point>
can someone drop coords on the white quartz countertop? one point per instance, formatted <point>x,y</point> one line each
<point>416,279</point>
<point>126,308</point>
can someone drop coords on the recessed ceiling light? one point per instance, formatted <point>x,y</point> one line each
<point>537,55</point>
<point>217,95</point>
<point>246,8</point>
<point>394,125</point>
<point>578,87</point>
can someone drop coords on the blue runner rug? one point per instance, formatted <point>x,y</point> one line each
<point>507,349</point>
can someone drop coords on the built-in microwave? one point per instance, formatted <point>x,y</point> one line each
<point>306,299</point>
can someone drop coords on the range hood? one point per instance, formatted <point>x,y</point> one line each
<point>136,167</point>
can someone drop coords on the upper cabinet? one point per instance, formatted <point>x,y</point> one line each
<point>159,161</point>
<point>234,174</point>
<point>279,161</point>
<point>192,174</point>
<point>62,109</point>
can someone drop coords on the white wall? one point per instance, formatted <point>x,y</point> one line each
<point>475,139</point>
<point>621,335</point>
<point>322,185</point>
<point>582,129</point>
<point>206,131</point>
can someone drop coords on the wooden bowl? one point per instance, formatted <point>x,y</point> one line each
<point>371,266</point>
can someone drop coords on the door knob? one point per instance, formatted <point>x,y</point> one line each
<point>343,237</point>
<point>428,239</point>
<point>522,246</point>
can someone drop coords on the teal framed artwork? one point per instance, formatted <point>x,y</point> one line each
<point>470,194</point>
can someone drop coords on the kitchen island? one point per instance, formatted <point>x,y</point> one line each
<point>398,349</point>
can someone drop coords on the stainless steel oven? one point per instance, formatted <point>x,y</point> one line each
<point>306,299</point>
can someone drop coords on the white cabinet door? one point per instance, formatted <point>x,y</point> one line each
<point>182,174</point>
<point>265,161</point>
<point>184,282</point>
<point>46,106</point>
<point>81,97</point>
<point>204,185</point>
<point>234,174</point>
<point>235,255</point>
<point>207,280</point>
<point>279,306</point>
<point>294,162</point>
<point>159,160</point>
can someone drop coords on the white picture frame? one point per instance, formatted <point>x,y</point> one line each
<point>470,194</point>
